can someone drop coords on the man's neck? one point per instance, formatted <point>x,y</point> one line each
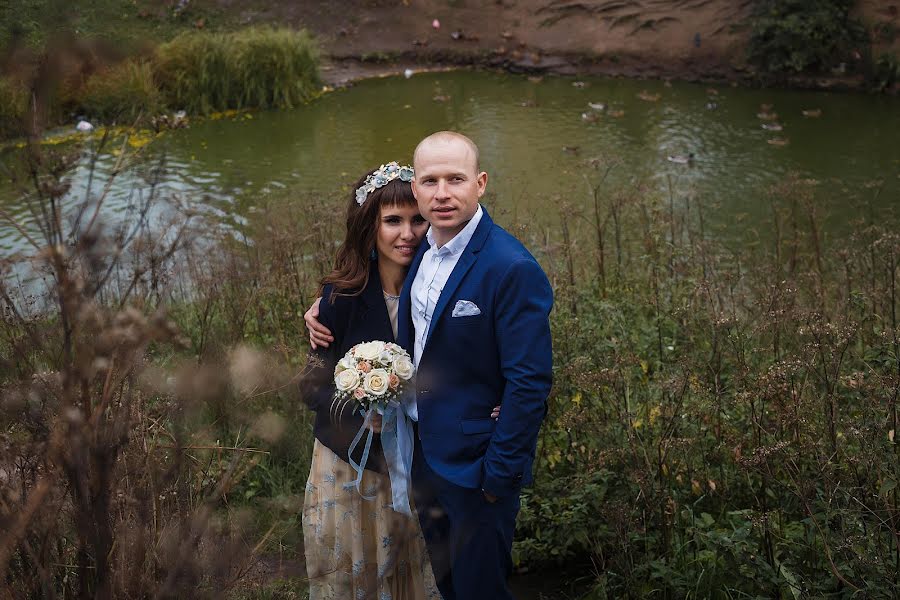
<point>443,236</point>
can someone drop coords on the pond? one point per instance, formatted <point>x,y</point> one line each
<point>535,136</point>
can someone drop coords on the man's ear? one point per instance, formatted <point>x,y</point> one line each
<point>481,181</point>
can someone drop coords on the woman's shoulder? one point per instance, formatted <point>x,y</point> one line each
<point>338,302</point>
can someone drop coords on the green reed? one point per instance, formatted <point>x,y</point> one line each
<point>121,93</point>
<point>258,67</point>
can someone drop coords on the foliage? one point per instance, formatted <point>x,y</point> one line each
<point>795,36</point>
<point>121,93</point>
<point>13,107</point>
<point>886,73</point>
<point>126,24</point>
<point>256,67</point>
<point>286,589</point>
<point>722,424</point>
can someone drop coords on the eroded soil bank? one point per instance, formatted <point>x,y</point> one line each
<point>677,39</point>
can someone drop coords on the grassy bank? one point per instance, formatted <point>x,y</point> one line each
<point>198,72</point>
<point>723,420</point>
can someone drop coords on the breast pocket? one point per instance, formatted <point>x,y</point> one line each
<point>467,320</point>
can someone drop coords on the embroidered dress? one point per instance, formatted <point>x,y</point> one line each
<point>358,548</point>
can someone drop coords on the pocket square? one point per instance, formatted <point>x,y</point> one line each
<point>464,308</point>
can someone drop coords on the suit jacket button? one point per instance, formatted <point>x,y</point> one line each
<point>518,477</point>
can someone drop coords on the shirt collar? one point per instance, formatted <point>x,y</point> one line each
<point>460,240</point>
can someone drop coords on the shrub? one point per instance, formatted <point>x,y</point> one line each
<point>794,36</point>
<point>886,73</point>
<point>13,107</point>
<point>121,92</point>
<point>721,425</point>
<point>254,68</point>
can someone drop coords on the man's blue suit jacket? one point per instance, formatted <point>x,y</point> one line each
<point>470,364</point>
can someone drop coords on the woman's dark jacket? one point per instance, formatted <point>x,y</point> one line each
<point>352,320</point>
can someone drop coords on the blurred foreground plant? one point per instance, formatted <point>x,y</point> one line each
<point>109,484</point>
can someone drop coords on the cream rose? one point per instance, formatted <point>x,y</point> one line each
<point>346,380</point>
<point>376,382</point>
<point>403,368</point>
<point>369,350</point>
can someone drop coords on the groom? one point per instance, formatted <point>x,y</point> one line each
<point>474,314</point>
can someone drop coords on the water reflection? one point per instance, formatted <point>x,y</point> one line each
<point>533,143</point>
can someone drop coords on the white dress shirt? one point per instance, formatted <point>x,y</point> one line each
<point>434,271</point>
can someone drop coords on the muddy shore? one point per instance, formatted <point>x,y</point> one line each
<point>684,40</point>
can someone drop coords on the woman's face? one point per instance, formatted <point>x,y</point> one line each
<point>400,230</point>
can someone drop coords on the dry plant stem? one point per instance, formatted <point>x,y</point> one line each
<point>210,447</point>
<point>17,531</point>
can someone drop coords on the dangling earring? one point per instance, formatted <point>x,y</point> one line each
<point>373,255</point>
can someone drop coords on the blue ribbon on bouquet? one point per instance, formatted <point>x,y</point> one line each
<point>397,444</point>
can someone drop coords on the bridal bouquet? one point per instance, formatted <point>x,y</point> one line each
<point>373,374</point>
<point>376,375</point>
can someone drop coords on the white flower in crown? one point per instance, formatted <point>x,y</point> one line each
<point>381,177</point>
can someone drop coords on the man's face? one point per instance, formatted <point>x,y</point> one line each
<point>447,186</point>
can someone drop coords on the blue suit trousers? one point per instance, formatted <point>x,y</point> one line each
<point>469,539</point>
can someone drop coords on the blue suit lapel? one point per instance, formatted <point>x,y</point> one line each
<point>466,260</point>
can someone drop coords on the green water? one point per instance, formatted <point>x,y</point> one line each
<point>534,143</point>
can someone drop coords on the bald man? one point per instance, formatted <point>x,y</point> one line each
<point>474,314</point>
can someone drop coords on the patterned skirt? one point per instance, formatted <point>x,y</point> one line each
<point>356,548</point>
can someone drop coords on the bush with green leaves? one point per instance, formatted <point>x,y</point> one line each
<point>796,36</point>
<point>722,423</point>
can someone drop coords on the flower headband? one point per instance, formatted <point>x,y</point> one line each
<point>381,177</point>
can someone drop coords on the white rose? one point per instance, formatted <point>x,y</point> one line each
<point>344,364</point>
<point>403,368</point>
<point>369,350</point>
<point>386,357</point>
<point>346,380</point>
<point>376,382</point>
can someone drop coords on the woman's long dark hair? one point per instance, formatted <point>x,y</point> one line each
<point>350,274</point>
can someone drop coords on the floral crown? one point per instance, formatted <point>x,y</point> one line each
<point>381,177</point>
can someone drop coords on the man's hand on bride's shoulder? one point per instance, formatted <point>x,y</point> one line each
<point>319,335</point>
